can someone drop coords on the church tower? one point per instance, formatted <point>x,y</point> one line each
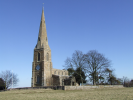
<point>42,65</point>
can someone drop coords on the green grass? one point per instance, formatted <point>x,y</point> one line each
<point>92,94</point>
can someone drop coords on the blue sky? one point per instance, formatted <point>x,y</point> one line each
<point>102,25</point>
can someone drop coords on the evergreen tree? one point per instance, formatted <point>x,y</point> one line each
<point>70,71</point>
<point>77,76</point>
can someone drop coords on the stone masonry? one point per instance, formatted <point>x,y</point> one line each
<point>43,73</point>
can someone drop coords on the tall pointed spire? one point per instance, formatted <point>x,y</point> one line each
<point>42,37</point>
<point>43,6</point>
<point>42,18</point>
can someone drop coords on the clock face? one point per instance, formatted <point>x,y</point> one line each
<point>37,67</point>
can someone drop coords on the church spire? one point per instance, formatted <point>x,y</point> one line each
<point>42,37</point>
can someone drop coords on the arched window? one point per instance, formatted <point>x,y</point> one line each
<point>38,56</point>
<point>38,38</point>
<point>47,56</point>
<point>58,73</point>
<point>38,79</point>
<point>55,72</point>
<point>62,73</point>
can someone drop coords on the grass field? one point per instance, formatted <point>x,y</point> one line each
<point>93,94</point>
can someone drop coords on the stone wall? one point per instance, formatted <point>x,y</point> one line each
<point>44,87</point>
<point>68,87</point>
<point>91,87</point>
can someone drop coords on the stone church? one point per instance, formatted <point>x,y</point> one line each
<point>43,74</point>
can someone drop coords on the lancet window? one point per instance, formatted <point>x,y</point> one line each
<point>38,56</point>
<point>38,79</point>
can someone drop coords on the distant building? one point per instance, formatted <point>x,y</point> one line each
<point>43,73</point>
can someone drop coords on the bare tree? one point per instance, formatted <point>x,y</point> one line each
<point>7,76</point>
<point>77,61</point>
<point>96,64</point>
<point>126,82</point>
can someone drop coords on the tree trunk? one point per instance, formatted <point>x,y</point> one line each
<point>81,77</point>
<point>98,78</point>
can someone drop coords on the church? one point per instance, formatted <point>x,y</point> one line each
<point>43,73</point>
